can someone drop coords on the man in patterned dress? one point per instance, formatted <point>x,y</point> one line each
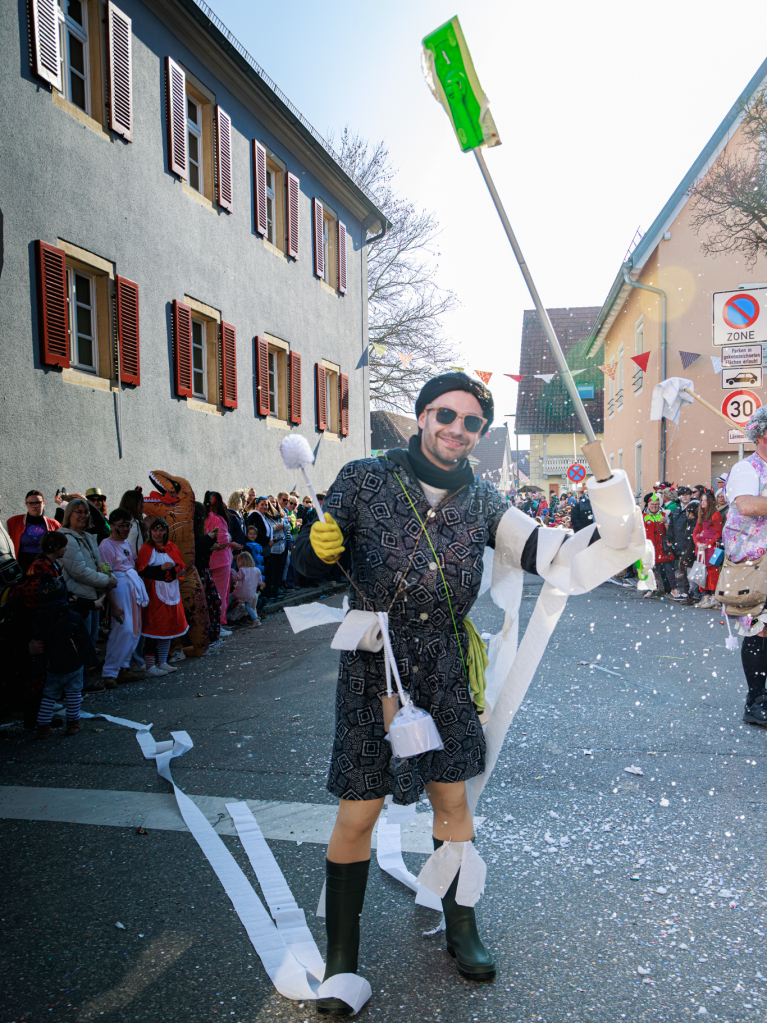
<point>417,523</point>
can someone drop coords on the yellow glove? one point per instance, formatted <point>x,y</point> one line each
<point>327,540</point>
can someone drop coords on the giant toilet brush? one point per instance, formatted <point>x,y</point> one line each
<point>297,454</point>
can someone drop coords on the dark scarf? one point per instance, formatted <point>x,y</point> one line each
<point>430,474</point>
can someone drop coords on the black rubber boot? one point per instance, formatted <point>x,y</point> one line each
<point>463,942</point>
<point>753,654</point>
<point>345,885</point>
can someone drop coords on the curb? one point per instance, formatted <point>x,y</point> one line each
<point>303,596</point>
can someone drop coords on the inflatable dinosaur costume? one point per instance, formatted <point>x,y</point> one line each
<point>173,500</point>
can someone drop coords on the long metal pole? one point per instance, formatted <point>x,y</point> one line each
<point>543,316</point>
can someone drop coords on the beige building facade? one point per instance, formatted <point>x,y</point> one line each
<point>669,259</point>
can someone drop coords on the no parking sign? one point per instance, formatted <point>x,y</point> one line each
<point>576,473</point>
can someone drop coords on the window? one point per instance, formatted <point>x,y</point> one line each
<point>274,401</point>
<point>73,20</point>
<point>269,195</point>
<point>326,229</point>
<point>82,320</point>
<point>271,205</point>
<point>76,290</point>
<point>620,458</point>
<point>638,380</point>
<point>619,391</point>
<point>610,397</point>
<point>329,231</point>
<point>194,143</point>
<point>199,360</point>
<point>638,467</point>
<point>612,461</point>
<point>332,399</point>
<point>586,391</point>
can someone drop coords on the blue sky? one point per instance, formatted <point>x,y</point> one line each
<point>601,106</point>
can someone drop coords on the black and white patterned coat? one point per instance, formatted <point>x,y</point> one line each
<point>381,532</point>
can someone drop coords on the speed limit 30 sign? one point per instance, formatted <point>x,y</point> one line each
<point>739,406</point>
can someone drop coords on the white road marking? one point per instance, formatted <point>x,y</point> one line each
<point>155,811</point>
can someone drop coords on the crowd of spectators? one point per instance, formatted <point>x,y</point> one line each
<point>86,576</point>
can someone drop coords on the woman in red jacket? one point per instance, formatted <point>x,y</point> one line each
<point>705,535</point>
<point>655,531</point>
<point>161,565</point>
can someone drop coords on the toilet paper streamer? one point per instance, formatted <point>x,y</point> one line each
<point>286,948</point>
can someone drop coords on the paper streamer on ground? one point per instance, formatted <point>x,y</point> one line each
<point>389,852</point>
<point>278,947</point>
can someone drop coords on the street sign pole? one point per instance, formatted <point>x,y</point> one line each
<point>592,448</point>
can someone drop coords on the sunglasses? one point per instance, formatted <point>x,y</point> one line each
<point>446,416</point>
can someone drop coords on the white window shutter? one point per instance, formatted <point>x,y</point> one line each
<point>45,41</point>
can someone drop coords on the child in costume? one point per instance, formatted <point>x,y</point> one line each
<point>247,581</point>
<point>161,566</point>
<point>655,530</point>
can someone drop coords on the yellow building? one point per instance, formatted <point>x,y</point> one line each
<point>661,303</point>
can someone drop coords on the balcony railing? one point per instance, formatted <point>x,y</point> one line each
<point>557,465</point>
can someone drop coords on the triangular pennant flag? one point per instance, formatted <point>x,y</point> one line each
<point>517,377</point>
<point>688,358</point>
<point>378,349</point>
<point>642,360</point>
<point>458,369</point>
<point>545,377</point>
<point>577,372</point>
<point>483,375</point>
<point>716,363</point>
<point>610,369</point>
<point>405,359</point>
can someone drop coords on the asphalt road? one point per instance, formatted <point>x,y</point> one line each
<point>610,895</point>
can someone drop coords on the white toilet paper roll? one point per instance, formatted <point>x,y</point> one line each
<point>360,630</point>
<point>613,505</point>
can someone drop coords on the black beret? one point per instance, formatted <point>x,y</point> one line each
<point>455,381</point>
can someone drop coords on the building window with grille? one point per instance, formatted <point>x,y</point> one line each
<point>274,374</point>
<point>619,389</point>
<point>82,321</point>
<point>73,21</point>
<point>271,205</point>
<point>199,360</point>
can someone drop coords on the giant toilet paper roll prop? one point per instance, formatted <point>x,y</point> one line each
<point>360,630</point>
<point>613,505</point>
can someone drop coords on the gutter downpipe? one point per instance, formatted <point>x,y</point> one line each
<point>663,346</point>
<point>363,305</point>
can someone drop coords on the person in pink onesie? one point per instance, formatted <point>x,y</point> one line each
<point>220,560</point>
<point>117,552</point>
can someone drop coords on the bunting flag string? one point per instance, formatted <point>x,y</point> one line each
<point>483,375</point>
<point>642,360</point>
<point>545,377</point>
<point>405,359</point>
<point>517,377</point>
<point>610,369</point>
<point>716,363</point>
<point>688,358</point>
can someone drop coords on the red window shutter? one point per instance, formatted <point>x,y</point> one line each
<point>120,71</point>
<point>228,339</point>
<point>52,306</point>
<point>343,402</point>
<point>295,387</point>
<point>262,376</point>
<point>182,348</point>
<point>44,26</point>
<point>259,186</point>
<point>342,257</point>
<point>176,95</point>
<point>127,330</point>
<point>321,396</point>
<point>291,185</point>
<point>224,158</point>
<point>319,249</point>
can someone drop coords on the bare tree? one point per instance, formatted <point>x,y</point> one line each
<point>729,205</point>
<point>406,305</point>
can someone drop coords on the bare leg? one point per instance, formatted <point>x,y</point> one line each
<point>452,818</point>
<point>350,841</point>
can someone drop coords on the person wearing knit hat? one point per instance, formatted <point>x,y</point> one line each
<point>413,525</point>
